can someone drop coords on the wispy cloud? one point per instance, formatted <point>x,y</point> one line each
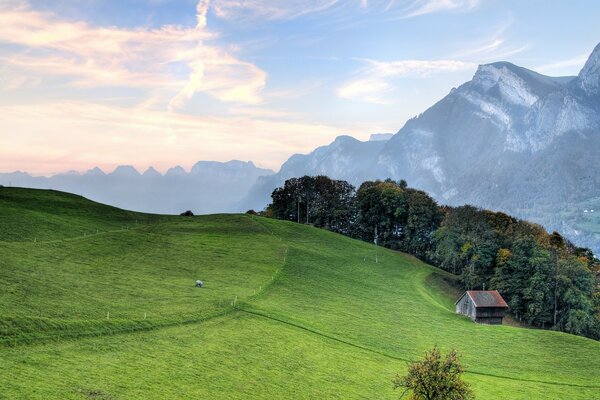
<point>493,45</point>
<point>576,62</point>
<point>373,83</point>
<point>269,9</point>
<point>422,7</point>
<point>179,59</point>
<point>249,10</point>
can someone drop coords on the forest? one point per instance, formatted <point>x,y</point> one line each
<point>547,281</point>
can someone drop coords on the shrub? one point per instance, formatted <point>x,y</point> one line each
<point>434,378</point>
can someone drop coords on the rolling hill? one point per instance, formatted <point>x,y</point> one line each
<point>100,303</point>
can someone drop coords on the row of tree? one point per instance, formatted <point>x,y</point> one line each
<point>546,280</point>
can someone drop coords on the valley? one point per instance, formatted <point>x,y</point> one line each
<point>287,310</point>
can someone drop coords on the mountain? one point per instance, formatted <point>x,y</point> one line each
<point>151,172</point>
<point>125,172</point>
<point>95,172</point>
<point>510,139</point>
<point>209,187</point>
<point>380,136</point>
<point>176,171</point>
<point>345,158</point>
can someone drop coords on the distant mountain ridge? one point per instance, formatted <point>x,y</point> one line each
<point>209,186</point>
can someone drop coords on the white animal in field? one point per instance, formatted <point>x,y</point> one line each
<point>199,283</point>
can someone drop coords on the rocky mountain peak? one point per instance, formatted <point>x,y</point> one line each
<point>511,83</point>
<point>589,77</point>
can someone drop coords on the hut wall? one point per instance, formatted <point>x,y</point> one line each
<point>466,307</point>
<point>489,320</point>
<point>490,312</point>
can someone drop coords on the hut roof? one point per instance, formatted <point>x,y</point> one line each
<point>486,298</point>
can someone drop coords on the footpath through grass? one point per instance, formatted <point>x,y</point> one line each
<point>288,311</point>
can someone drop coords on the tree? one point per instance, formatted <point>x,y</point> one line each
<point>318,200</point>
<point>423,218</point>
<point>466,244</point>
<point>434,378</point>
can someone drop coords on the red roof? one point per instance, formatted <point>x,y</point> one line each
<point>486,298</point>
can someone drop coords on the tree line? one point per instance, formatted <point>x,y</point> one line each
<point>546,280</point>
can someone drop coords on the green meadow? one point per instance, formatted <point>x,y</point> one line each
<point>100,303</point>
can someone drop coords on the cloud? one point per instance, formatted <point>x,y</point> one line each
<point>373,82</point>
<point>269,9</point>
<point>576,62</point>
<point>201,11</point>
<point>423,7</point>
<point>72,135</point>
<point>180,60</point>
<point>494,46</point>
<point>289,9</point>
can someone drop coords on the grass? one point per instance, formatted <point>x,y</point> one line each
<point>54,215</point>
<point>315,316</point>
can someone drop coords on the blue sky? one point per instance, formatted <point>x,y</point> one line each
<point>165,82</point>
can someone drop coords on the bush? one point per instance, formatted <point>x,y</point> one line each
<point>435,379</point>
<point>187,213</point>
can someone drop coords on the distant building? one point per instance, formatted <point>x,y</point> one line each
<point>482,306</point>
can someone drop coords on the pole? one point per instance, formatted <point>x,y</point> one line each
<point>307,221</point>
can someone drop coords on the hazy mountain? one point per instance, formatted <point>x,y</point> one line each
<point>209,187</point>
<point>380,136</point>
<point>345,158</point>
<point>510,139</point>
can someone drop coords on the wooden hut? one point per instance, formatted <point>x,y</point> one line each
<point>482,306</point>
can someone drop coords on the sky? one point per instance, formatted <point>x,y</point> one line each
<point>169,82</point>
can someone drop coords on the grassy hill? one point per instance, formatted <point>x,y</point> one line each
<point>100,303</point>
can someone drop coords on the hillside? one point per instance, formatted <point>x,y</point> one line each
<point>288,311</point>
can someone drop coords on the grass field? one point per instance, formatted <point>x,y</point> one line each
<point>100,303</point>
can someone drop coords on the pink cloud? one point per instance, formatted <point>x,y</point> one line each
<point>140,57</point>
<point>73,135</point>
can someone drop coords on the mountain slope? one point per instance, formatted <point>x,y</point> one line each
<point>314,316</point>
<point>510,140</point>
<point>345,158</point>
